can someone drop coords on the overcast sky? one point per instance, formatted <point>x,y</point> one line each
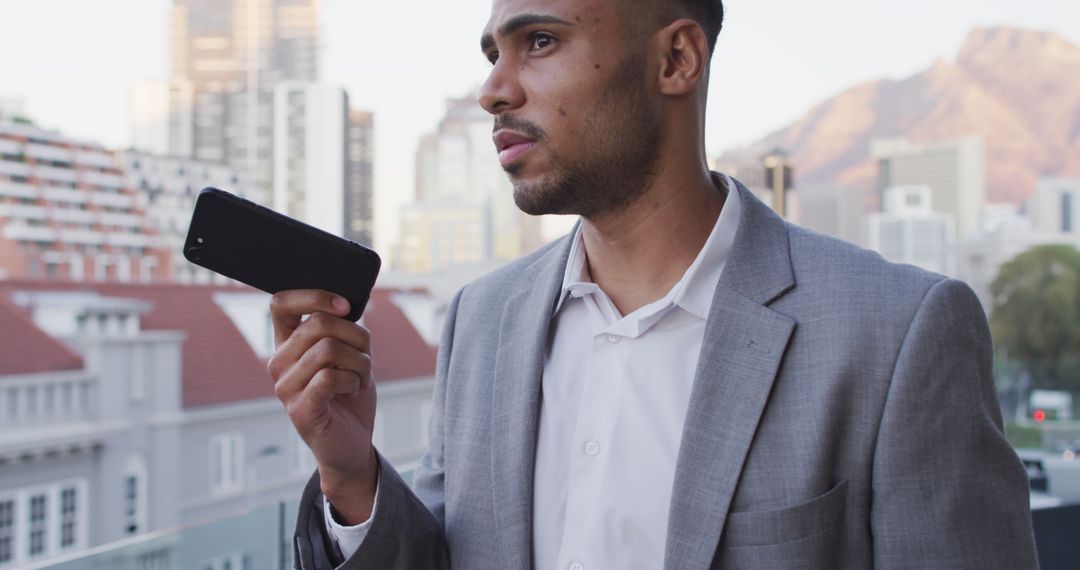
<point>73,61</point>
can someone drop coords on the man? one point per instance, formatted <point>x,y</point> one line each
<point>686,381</point>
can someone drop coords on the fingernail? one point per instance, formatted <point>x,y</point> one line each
<point>341,304</point>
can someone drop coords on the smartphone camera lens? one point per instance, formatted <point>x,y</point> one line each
<point>194,254</point>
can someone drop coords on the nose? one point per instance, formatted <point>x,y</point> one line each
<point>502,91</point>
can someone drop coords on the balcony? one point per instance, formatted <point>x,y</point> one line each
<point>113,200</point>
<point>123,220</point>
<point>29,233</point>
<point>37,399</point>
<point>105,180</point>
<point>11,168</point>
<point>18,190</point>
<point>71,215</point>
<point>99,159</point>
<point>66,195</point>
<point>56,174</point>
<point>8,146</point>
<point>85,237</point>
<point>47,152</point>
<point>23,212</point>
<point>129,240</point>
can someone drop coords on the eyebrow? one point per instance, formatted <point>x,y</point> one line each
<point>487,41</point>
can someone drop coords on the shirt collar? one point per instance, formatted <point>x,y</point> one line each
<point>694,292</point>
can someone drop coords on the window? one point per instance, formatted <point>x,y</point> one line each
<point>135,495</point>
<point>1066,212</point>
<point>68,517</point>
<point>226,463</point>
<point>154,560</point>
<point>7,531</point>
<point>38,521</point>
<point>234,561</point>
<point>131,499</point>
<point>303,460</point>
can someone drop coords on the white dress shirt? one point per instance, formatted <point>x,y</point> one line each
<point>615,391</point>
<point>615,394</point>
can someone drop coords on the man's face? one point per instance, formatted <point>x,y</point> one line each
<point>575,127</point>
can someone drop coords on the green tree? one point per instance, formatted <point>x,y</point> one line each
<point>1036,314</point>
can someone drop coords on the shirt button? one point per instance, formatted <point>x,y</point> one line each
<point>592,448</point>
<point>576,566</point>
<point>613,339</point>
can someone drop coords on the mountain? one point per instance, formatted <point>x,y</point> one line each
<point>1018,89</point>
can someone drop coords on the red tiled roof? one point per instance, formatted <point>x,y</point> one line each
<point>26,349</point>
<point>398,351</point>
<point>219,366</point>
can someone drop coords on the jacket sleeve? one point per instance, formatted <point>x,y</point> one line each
<point>948,489</point>
<point>407,529</point>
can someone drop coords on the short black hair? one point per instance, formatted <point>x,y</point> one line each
<point>709,14</point>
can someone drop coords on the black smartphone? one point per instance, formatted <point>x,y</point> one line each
<point>273,252</point>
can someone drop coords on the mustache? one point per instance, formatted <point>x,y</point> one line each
<point>518,124</point>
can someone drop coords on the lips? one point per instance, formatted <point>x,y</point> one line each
<point>511,145</point>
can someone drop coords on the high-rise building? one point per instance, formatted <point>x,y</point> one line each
<point>1055,206</point>
<point>440,235</point>
<point>323,159</point>
<point>67,212</point>
<point>360,178</point>
<point>910,231</point>
<point>161,118</point>
<point>834,210</point>
<point>457,168</point>
<point>955,172</point>
<point>232,54</point>
<point>769,174</point>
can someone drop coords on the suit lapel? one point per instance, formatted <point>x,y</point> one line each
<point>519,364</point>
<point>741,353</point>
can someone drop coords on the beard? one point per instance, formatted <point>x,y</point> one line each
<point>620,142</point>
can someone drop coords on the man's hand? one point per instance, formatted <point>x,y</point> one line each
<point>322,374</point>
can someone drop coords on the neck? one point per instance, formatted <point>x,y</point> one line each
<point>637,254</point>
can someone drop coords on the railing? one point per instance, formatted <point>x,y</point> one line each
<point>262,538</point>
<point>46,399</point>
<point>259,538</point>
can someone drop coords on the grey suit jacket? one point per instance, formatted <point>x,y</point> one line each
<point>843,415</point>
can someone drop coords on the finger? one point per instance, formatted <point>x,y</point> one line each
<point>325,386</point>
<point>327,353</point>
<point>315,328</point>
<point>288,307</point>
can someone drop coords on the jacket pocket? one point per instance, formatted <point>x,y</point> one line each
<point>816,516</point>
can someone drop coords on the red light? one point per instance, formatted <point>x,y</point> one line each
<point>1039,416</point>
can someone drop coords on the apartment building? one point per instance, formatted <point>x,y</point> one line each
<point>143,408</point>
<point>67,212</point>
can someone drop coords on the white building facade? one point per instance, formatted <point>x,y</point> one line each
<point>67,212</point>
<point>910,231</point>
<point>955,172</point>
<point>133,411</point>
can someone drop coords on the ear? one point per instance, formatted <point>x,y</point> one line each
<point>685,53</point>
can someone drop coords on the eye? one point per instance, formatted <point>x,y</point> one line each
<point>540,40</point>
<point>492,56</point>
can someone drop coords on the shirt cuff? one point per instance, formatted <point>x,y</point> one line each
<point>349,538</point>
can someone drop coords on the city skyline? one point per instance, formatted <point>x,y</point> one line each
<point>424,61</point>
